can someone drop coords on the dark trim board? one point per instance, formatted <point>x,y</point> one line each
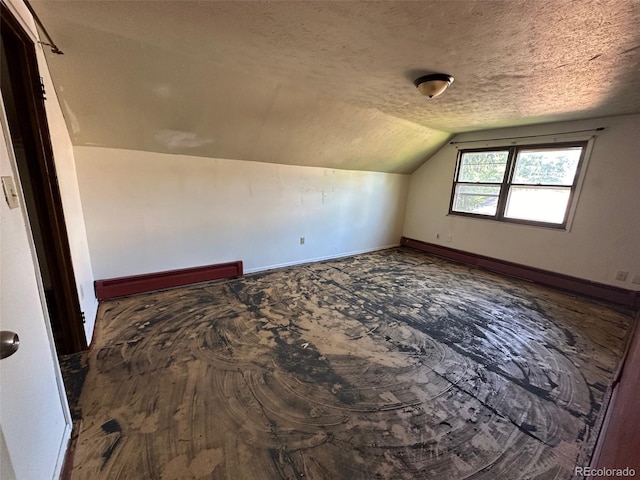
<point>600,291</point>
<point>119,287</point>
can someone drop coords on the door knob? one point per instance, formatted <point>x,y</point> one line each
<point>9,343</point>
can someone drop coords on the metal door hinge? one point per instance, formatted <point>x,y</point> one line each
<point>43,92</point>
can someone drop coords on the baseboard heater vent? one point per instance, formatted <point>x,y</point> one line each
<point>120,287</point>
<point>608,293</point>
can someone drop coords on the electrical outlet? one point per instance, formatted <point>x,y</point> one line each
<point>449,238</point>
<point>437,235</point>
<point>636,279</point>
<point>621,275</point>
<point>301,240</point>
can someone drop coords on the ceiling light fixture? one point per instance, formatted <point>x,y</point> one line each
<point>434,84</point>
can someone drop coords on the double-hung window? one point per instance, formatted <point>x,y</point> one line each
<point>522,184</point>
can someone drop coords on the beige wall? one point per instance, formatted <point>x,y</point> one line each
<point>149,212</point>
<point>604,236</point>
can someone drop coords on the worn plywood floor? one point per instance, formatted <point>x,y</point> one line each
<point>391,365</point>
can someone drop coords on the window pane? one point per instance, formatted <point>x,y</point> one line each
<point>541,204</point>
<point>479,199</point>
<point>547,167</point>
<point>483,167</point>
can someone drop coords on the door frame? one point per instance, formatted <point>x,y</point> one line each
<point>70,336</point>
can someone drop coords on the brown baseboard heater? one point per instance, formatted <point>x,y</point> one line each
<point>122,286</point>
<point>608,293</point>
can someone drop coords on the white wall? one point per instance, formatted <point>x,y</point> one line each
<point>71,203</point>
<point>149,212</point>
<point>604,236</point>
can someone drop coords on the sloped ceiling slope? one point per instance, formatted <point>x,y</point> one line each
<point>330,83</point>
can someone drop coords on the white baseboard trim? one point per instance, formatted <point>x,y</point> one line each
<point>319,259</point>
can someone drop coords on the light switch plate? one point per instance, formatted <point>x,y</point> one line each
<point>10,193</point>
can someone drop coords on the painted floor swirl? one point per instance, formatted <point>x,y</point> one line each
<point>389,365</point>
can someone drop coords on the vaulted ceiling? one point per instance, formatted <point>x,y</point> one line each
<point>330,83</point>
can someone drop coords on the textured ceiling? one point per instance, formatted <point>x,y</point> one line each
<point>330,83</point>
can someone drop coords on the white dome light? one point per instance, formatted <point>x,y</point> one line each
<point>434,84</point>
